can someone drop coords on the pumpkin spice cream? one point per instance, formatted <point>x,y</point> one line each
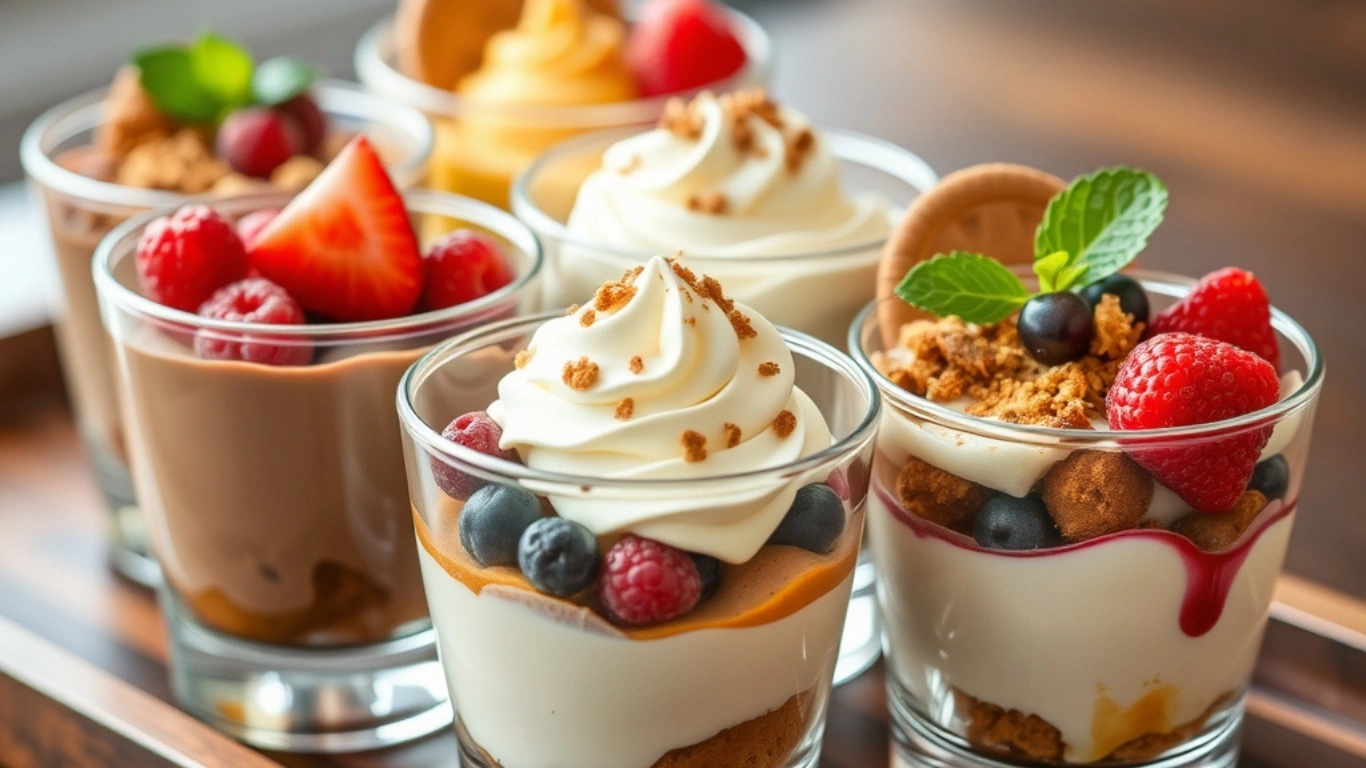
<point>655,627</point>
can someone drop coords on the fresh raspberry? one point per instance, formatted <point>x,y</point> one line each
<point>646,582</point>
<point>183,258</point>
<point>1228,305</point>
<point>476,431</point>
<point>461,267</point>
<point>679,45</point>
<point>257,140</point>
<point>1178,380</point>
<point>249,227</point>
<point>254,300</point>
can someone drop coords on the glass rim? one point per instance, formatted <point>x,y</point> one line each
<point>483,337</point>
<point>422,201</point>
<point>85,110</point>
<point>1164,284</point>
<point>848,146</point>
<point>372,66</point>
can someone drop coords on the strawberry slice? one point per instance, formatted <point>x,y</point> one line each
<point>344,248</point>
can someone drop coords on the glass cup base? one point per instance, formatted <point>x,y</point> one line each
<point>861,642</point>
<point>919,743</point>
<point>307,699</point>
<point>130,552</point>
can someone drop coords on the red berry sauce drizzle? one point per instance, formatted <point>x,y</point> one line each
<point>1209,575</point>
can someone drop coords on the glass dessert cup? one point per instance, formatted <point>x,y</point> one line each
<point>480,149</point>
<point>723,685</point>
<point>1132,648</point>
<point>81,210</point>
<point>278,504</point>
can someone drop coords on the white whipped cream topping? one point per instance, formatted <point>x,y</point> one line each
<point>640,198</point>
<point>696,374</point>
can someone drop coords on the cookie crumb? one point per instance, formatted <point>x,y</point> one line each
<point>587,318</point>
<point>784,424</point>
<point>523,357</point>
<point>690,321</point>
<point>1213,532</point>
<point>682,120</point>
<point>741,323</point>
<point>712,203</point>
<point>1009,730</point>
<point>571,309</point>
<point>625,409</point>
<point>613,296</point>
<point>1093,493</point>
<point>694,447</point>
<point>944,499</point>
<point>769,369</point>
<point>798,149</point>
<point>580,374</point>
<point>636,365</point>
<point>733,434</point>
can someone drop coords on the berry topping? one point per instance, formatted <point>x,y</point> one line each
<point>253,300</point>
<point>558,556</point>
<point>249,227</point>
<point>310,119</point>
<point>183,258</point>
<point>1228,305</point>
<point>646,582</point>
<point>1007,522</point>
<point>461,267</point>
<point>1271,477</point>
<point>478,432</point>
<point>1056,328</point>
<point>679,45</point>
<point>493,520</point>
<point>257,140</point>
<point>709,571</point>
<point>1178,380</point>
<point>813,522</point>
<point>344,247</point>
<point>1133,300</point>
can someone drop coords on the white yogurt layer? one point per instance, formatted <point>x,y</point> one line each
<point>537,693</point>
<point>1077,637</point>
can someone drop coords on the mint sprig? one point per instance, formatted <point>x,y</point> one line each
<point>1091,230</point>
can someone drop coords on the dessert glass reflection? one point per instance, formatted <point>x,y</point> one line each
<point>1127,632</point>
<point>700,478</point>
<point>277,501</point>
<point>82,204</point>
<point>494,122</point>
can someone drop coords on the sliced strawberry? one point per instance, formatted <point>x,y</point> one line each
<point>344,248</point>
<point>679,45</point>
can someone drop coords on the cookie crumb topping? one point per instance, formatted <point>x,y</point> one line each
<point>587,318</point>
<point>682,120</point>
<point>523,357</point>
<point>580,374</point>
<point>712,203</point>
<point>769,369</point>
<point>694,447</point>
<point>636,365</point>
<point>625,409</point>
<point>733,434</point>
<point>784,423</point>
<point>798,149</point>
<point>709,288</point>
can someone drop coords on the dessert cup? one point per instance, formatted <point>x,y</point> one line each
<point>480,150</point>
<point>81,210</point>
<point>540,682</point>
<point>1132,648</point>
<point>278,506</point>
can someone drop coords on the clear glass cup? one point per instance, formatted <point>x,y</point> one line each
<point>1132,648</point>
<point>278,504</point>
<point>81,210</point>
<point>480,149</point>
<point>538,681</point>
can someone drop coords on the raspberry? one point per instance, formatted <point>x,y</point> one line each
<point>476,431</point>
<point>461,267</point>
<point>257,140</point>
<point>183,258</point>
<point>1178,380</point>
<point>254,300</point>
<point>1228,305</point>
<point>646,582</point>
<point>249,227</point>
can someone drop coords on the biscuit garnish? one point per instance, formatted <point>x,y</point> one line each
<point>580,374</point>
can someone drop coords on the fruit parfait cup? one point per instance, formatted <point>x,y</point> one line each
<point>502,90</point>
<point>265,448</point>
<point>96,160</point>
<point>638,526</point>
<point>1083,491</point>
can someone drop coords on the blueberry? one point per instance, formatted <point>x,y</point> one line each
<point>709,568</point>
<point>1132,298</point>
<point>493,520</point>
<point>1271,477</point>
<point>813,522</point>
<point>1056,328</point>
<point>559,557</point>
<point>1007,522</point>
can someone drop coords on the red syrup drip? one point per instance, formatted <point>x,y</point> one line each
<point>1209,575</point>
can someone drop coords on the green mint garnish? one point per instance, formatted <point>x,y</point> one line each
<point>1090,231</point>
<point>205,80</point>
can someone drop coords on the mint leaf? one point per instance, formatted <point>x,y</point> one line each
<point>1049,268</point>
<point>972,286</point>
<point>223,69</point>
<point>280,79</point>
<point>1103,220</point>
<point>167,75</point>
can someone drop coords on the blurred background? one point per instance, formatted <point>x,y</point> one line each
<point>1253,111</point>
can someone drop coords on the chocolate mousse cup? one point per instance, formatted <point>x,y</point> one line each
<point>1129,635</point>
<point>506,139</point>
<point>81,209</point>
<point>539,682</point>
<point>278,504</point>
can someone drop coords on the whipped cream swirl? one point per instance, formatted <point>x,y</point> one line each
<point>731,176</point>
<point>662,378</point>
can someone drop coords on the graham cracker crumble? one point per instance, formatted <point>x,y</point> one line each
<point>694,447</point>
<point>713,203</point>
<point>709,288</point>
<point>784,424</point>
<point>733,434</point>
<point>613,295</point>
<point>949,359</point>
<point>580,374</point>
<point>180,162</point>
<point>682,120</point>
<point>625,409</point>
<point>523,357</point>
<point>637,365</point>
<point>769,369</point>
<point>690,321</point>
<point>798,149</point>
<point>587,318</point>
